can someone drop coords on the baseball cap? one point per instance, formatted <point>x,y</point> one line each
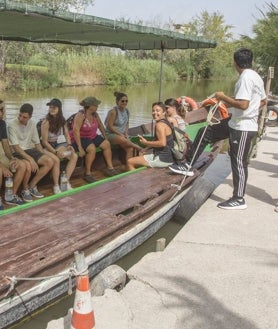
<point>55,102</point>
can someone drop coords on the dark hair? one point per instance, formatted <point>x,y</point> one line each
<point>119,95</point>
<point>243,58</point>
<point>56,122</point>
<point>26,108</point>
<point>172,102</point>
<point>1,104</point>
<point>160,104</point>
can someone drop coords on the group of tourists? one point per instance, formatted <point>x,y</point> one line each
<point>27,157</point>
<point>32,158</point>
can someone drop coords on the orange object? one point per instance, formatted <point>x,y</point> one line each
<point>189,101</point>
<point>221,108</point>
<point>83,313</point>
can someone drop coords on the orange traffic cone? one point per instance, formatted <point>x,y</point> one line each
<point>83,313</point>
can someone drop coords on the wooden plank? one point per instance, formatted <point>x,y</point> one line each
<point>37,238</point>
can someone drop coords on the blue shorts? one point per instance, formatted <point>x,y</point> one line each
<point>85,142</point>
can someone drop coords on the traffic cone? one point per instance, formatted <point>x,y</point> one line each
<point>83,313</point>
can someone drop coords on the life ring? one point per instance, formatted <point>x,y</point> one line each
<point>221,108</point>
<point>193,105</point>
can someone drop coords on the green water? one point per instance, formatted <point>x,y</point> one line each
<point>140,98</point>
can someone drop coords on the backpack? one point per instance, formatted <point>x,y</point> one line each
<point>39,127</point>
<point>182,142</point>
<point>71,119</point>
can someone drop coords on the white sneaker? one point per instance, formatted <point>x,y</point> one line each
<point>69,187</point>
<point>183,169</point>
<point>56,189</point>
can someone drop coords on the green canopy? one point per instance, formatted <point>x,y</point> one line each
<point>22,22</point>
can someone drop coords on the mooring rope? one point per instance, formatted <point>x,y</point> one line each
<point>209,123</point>
<point>14,280</point>
<point>70,273</point>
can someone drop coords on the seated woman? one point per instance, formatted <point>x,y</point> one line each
<point>85,139</point>
<point>161,154</point>
<point>56,141</point>
<point>173,116</point>
<point>117,124</point>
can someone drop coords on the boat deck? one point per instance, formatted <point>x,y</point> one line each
<point>42,238</point>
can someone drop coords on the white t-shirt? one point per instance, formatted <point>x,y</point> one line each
<point>248,87</point>
<point>24,136</point>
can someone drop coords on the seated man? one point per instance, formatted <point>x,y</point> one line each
<point>10,166</point>
<point>24,139</point>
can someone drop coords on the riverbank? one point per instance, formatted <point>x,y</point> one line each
<point>220,271</point>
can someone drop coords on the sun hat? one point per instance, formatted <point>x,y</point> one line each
<point>90,101</point>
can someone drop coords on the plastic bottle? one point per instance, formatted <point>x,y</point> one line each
<point>9,189</point>
<point>63,181</point>
<point>66,153</point>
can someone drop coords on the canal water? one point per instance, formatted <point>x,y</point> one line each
<point>140,99</point>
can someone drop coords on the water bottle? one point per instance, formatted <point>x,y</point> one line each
<point>66,153</point>
<point>9,189</point>
<point>63,181</point>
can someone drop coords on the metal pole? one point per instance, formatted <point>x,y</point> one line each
<point>263,116</point>
<point>161,70</point>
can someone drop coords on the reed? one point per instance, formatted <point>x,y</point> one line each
<point>73,68</point>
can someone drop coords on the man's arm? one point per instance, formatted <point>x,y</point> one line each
<point>240,104</point>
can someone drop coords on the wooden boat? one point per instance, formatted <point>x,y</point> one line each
<point>106,220</point>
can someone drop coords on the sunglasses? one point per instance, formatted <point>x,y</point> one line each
<point>124,101</point>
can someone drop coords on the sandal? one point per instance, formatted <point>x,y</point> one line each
<point>89,179</point>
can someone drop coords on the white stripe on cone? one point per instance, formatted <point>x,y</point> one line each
<point>82,302</point>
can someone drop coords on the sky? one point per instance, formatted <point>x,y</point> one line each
<point>242,14</point>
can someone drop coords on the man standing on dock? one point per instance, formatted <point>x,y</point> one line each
<point>241,127</point>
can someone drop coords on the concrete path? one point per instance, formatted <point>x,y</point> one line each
<point>219,272</point>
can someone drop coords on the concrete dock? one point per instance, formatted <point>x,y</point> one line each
<point>219,272</point>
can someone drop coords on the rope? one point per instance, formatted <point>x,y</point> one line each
<point>71,272</point>
<point>209,123</point>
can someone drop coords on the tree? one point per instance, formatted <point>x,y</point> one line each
<point>265,43</point>
<point>206,63</point>
<point>211,62</point>
<point>78,5</point>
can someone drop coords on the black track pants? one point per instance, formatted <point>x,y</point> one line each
<point>240,143</point>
